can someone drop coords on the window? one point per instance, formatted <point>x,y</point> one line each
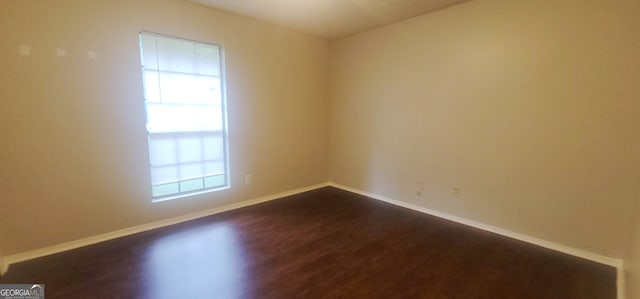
<point>186,119</point>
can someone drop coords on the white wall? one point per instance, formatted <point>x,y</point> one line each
<point>531,107</point>
<point>633,265</point>
<point>74,157</point>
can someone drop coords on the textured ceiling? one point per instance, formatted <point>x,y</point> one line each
<point>331,19</point>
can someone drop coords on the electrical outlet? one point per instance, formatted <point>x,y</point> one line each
<point>248,179</point>
<point>457,192</point>
<point>420,185</point>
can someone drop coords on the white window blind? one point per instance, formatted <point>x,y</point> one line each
<point>186,125</point>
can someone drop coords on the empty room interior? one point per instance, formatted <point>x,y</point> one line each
<point>320,149</point>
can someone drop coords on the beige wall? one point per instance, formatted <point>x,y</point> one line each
<point>633,280</point>
<point>531,107</point>
<point>633,266</point>
<point>73,153</point>
<point>633,258</point>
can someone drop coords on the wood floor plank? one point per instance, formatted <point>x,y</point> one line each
<point>325,243</point>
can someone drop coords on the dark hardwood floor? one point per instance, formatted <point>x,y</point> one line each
<point>326,243</point>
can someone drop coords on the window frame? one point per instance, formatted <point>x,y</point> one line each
<point>224,132</point>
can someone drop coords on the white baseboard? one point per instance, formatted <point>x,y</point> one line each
<point>4,267</point>
<point>6,261</point>
<point>32,254</point>
<point>621,282</point>
<point>609,261</point>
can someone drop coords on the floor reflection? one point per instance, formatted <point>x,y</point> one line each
<point>204,262</point>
